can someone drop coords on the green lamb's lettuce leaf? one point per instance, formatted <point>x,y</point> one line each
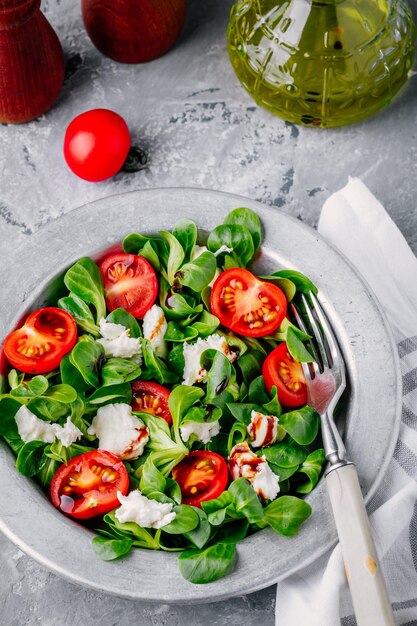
<point>312,467</point>
<point>110,394</point>
<point>177,334</point>
<point>234,236</point>
<point>197,274</point>
<point>185,231</point>
<point>152,479</point>
<point>85,281</point>
<point>286,514</point>
<point>30,458</point>
<point>155,368</point>
<point>176,255</point>
<point>218,376</point>
<point>302,424</point>
<point>110,549</point>
<point>81,313</point>
<point>181,399</point>
<point>301,282</point>
<point>297,349</point>
<point>209,564</point>
<point>287,453</point>
<point>246,501</point>
<point>36,386</point>
<point>201,534</point>
<point>186,519</point>
<point>249,219</point>
<point>87,357</point>
<point>116,370</point>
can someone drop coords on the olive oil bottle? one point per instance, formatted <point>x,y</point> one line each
<point>321,63</point>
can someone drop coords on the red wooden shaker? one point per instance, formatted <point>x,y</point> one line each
<point>31,61</point>
<point>133,31</point>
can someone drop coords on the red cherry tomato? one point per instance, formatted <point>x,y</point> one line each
<point>280,370</point>
<point>202,476</point>
<point>87,485</point>
<point>247,305</point>
<point>151,398</point>
<point>39,345</point>
<point>96,144</point>
<point>129,283</point>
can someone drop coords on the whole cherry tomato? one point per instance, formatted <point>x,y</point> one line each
<point>96,144</point>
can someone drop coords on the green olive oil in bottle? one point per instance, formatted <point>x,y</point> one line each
<point>321,63</point>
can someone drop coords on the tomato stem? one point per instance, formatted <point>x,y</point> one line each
<point>136,160</point>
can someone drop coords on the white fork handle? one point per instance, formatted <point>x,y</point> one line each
<point>367,586</point>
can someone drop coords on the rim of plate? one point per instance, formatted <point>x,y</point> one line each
<point>35,526</point>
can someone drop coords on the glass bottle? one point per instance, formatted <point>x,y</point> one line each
<point>321,62</point>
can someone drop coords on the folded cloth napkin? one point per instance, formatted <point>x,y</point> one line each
<point>356,223</point>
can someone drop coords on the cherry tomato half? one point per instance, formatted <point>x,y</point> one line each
<point>151,398</point>
<point>129,282</point>
<point>247,305</point>
<point>280,370</point>
<point>96,144</point>
<point>87,485</point>
<point>39,345</point>
<point>202,476</point>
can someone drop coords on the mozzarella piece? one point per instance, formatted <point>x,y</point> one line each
<point>193,372</point>
<point>265,482</point>
<point>67,434</point>
<point>204,431</point>
<point>263,429</point>
<point>119,431</point>
<point>147,513</point>
<point>244,463</point>
<point>31,428</point>
<point>117,342</point>
<point>154,329</point>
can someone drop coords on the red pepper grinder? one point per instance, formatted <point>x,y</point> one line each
<point>31,61</point>
<point>133,31</point>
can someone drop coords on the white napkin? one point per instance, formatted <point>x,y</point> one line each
<point>356,223</point>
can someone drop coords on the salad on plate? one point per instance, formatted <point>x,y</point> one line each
<point>160,400</point>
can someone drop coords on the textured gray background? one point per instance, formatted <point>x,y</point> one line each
<point>199,128</point>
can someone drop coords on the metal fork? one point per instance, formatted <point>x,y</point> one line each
<point>326,381</point>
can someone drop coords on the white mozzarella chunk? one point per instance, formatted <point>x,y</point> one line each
<point>154,329</point>
<point>147,513</point>
<point>119,431</point>
<point>263,429</point>
<point>31,428</point>
<point>265,482</point>
<point>67,434</point>
<point>116,341</point>
<point>193,372</point>
<point>203,431</point>
<point>246,464</point>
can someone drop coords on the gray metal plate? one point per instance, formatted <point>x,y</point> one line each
<point>372,412</point>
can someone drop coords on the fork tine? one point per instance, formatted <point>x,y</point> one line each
<point>316,331</point>
<point>335,353</point>
<point>307,367</point>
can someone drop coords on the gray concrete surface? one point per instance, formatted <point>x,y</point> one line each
<point>199,128</point>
